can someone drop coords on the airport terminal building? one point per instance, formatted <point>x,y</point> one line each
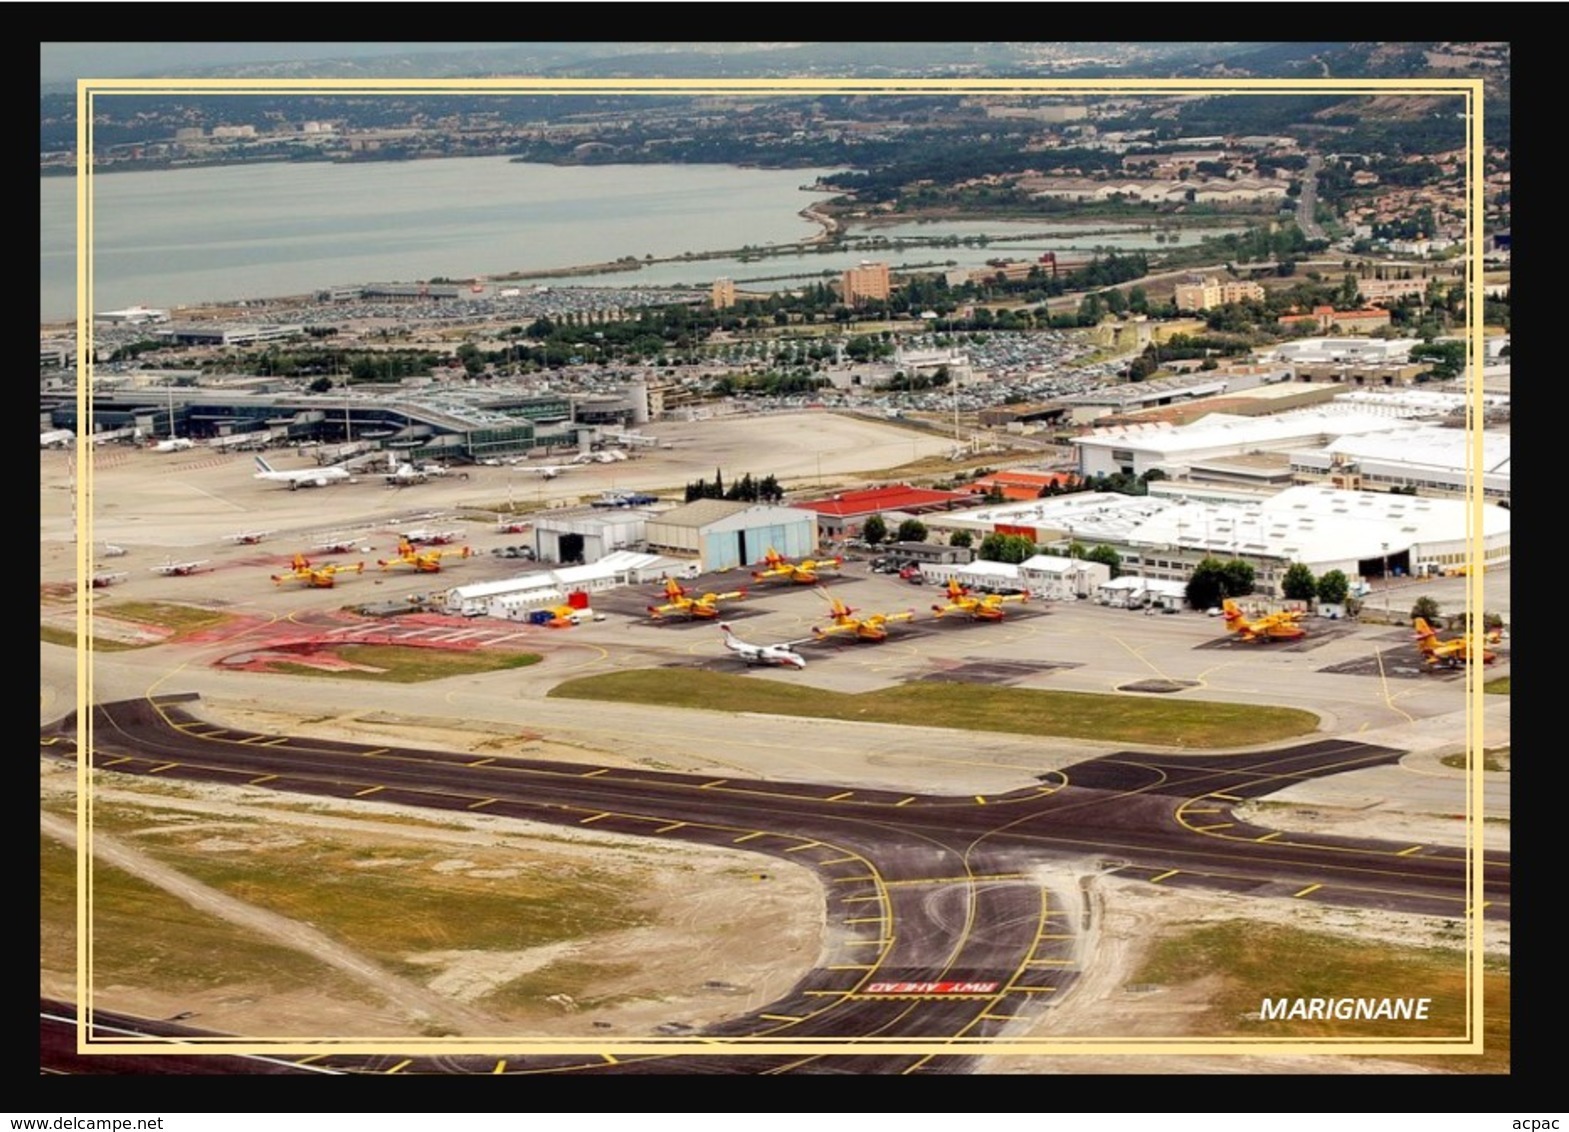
<point>439,423</point>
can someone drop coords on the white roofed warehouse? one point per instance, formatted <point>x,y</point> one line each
<point>514,598</point>
<point>1364,534</point>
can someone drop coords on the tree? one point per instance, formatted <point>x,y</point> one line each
<point>1298,584</point>
<point>320,385</point>
<point>875,529</point>
<point>1239,578</point>
<point>1213,580</point>
<point>1206,585</point>
<point>911,530</point>
<point>1333,587</point>
<point>1110,557</point>
<point>961,538</point>
<point>1425,608</point>
<point>1005,548</point>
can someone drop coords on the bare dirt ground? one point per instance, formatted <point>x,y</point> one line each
<point>723,942</point>
<point>1127,918</point>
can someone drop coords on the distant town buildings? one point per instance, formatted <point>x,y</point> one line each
<point>132,316</point>
<point>723,294</point>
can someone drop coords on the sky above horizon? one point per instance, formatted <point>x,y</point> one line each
<point>67,62</point>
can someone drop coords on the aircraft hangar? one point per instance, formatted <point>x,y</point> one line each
<point>724,533</point>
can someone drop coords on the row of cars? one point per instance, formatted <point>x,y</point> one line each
<point>909,570</point>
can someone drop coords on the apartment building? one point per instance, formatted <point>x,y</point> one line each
<point>868,282</point>
<point>1201,294</point>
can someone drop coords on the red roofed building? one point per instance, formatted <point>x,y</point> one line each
<point>842,514</point>
<point>1325,318</point>
<point>1021,485</point>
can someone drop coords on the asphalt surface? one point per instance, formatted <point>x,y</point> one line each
<point>940,925</point>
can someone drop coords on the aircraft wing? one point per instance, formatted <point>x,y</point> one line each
<point>837,628</point>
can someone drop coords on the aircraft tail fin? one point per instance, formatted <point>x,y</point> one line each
<point>1426,636</point>
<point>263,466</point>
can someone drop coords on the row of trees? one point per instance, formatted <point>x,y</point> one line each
<point>745,489</point>
<point>875,531</point>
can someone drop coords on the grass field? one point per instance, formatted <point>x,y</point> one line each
<point>1493,758</point>
<point>1258,961</point>
<point>180,618</point>
<point>142,931</point>
<point>51,635</point>
<point>163,615</point>
<point>1122,719</point>
<point>391,900</point>
<point>403,665</point>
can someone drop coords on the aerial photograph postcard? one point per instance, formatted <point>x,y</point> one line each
<point>580,559</point>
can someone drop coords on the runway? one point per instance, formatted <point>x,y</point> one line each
<point>940,922</point>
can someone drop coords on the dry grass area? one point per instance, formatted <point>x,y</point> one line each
<point>1189,964</point>
<point>352,919</point>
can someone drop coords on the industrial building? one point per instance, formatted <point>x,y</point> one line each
<point>845,513</point>
<point>1360,533</point>
<point>1363,534</point>
<point>513,599</point>
<point>590,537</point>
<point>1345,351</point>
<point>1056,578</point>
<point>1172,450</point>
<point>1432,460</point>
<point>725,533</point>
<point>1139,396</point>
<point>1088,517</point>
<point>1049,577</point>
<point>923,552</point>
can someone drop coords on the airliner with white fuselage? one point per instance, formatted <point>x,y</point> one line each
<point>302,477</point>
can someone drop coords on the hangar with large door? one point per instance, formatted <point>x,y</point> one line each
<point>723,533</point>
<point>578,537</point>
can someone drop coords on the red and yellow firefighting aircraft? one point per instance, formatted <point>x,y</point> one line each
<point>423,561</point>
<point>1453,653</point>
<point>805,572</point>
<point>1271,627</point>
<point>980,607</point>
<point>678,600</point>
<point>872,627</point>
<point>322,577</point>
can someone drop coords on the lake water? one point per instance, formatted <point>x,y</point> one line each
<point>174,237</point>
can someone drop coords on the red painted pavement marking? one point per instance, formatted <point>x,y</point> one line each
<point>946,987</point>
